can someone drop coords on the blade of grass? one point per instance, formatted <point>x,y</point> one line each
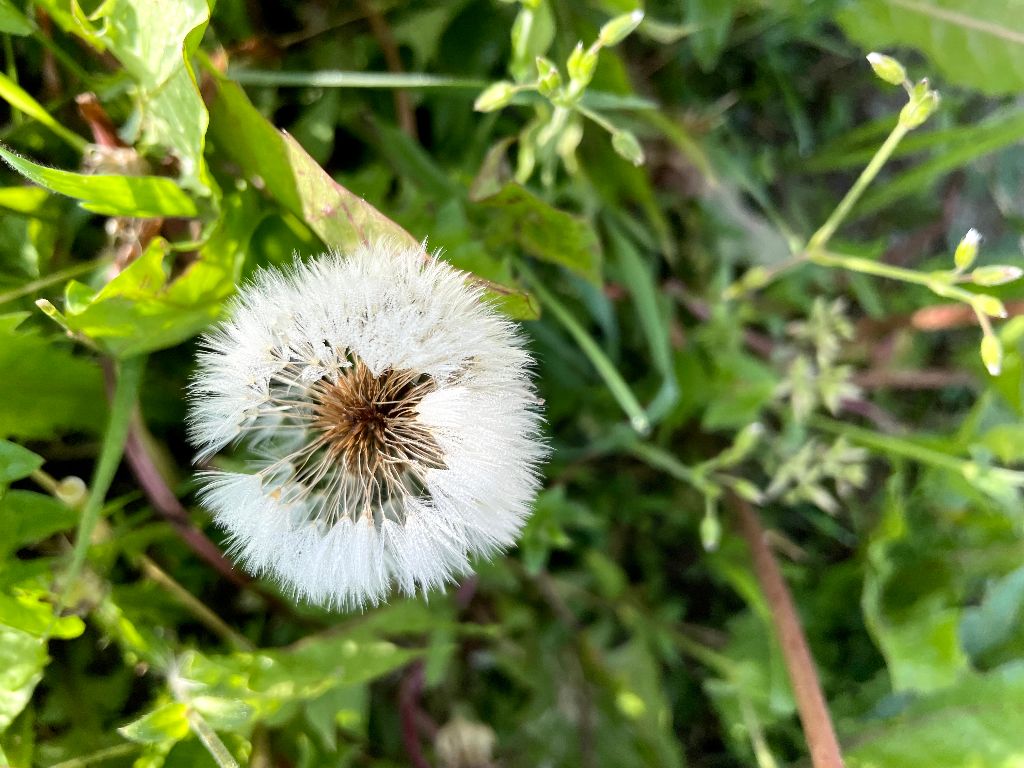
<point>20,99</point>
<point>605,368</point>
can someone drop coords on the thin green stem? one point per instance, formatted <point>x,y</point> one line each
<point>907,449</point>
<point>199,609</point>
<point>669,464</point>
<point>209,738</point>
<point>119,750</point>
<point>940,283</point>
<point>57,277</point>
<point>605,368</point>
<point>825,232</point>
<point>126,392</point>
<point>343,79</point>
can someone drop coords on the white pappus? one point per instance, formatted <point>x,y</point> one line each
<point>388,420</point>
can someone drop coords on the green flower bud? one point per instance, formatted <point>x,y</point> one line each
<point>887,68</point>
<point>625,143</point>
<point>992,354</point>
<point>72,491</point>
<point>495,96</point>
<point>581,65</point>
<point>710,529</point>
<point>990,305</point>
<point>967,251</point>
<point>619,28</point>
<point>918,109</point>
<point>997,274</point>
<point>548,77</point>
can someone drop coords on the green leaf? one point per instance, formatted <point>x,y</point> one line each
<point>13,21</point>
<point>28,201</point>
<point>17,462</point>
<point>45,389</point>
<point>639,698</point>
<point>977,722</point>
<point>711,20</point>
<point>232,690</point>
<point>145,309</point>
<point>977,43</point>
<point>997,619</point>
<point>919,638</point>
<point>338,217</point>
<point>31,611</point>
<point>138,196</point>
<point>168,722</point>
<point>22,660</point>
<point>154,40</point>
<point>516,215</point>
<point>27,517</point>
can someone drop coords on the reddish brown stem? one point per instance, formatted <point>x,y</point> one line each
<point>408,709</point>
<point>810,701</point>
<point>389,47</point>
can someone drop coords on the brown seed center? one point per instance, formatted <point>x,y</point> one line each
<point>370,423</point>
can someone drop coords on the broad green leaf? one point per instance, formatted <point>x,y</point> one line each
<point>154,40</point>
<point>137,196</point>
<point>29,201</point>
<point>516,215</point>
<point>997,618</point>
<point>977,43</point>
<point>144,308</point>
<point>976,723</point>
<point>13,21</point>
<point>17,462</point>
<point>27,517</point>
<point>711,20</point>
<point>640,700</point>
<point>31,611</point>
<point>45,389</point>
<point>22,660</point>
<point>261,685</point>
<point>920,641</point>
<point>168,722</point>
<point>274,159</point>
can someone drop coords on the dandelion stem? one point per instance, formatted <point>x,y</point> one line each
<point>810,701</point>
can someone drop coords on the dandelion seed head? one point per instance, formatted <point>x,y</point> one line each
<point>388,419</point>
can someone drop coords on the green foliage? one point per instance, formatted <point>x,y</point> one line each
<point>734,282</point>
<point>972,43</point>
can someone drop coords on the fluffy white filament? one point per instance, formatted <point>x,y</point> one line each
<point>389,420</point>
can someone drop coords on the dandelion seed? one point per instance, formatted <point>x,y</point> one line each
<point>390,419</point>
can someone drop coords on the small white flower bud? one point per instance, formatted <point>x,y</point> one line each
<point>887,68</point>
<point>626,145</point>
<point>990,305</point>
<point>992,354</point>
<point>548,77</point>
<point>72,491</point>
<point>618,29</point>
<point>967,250</point>
<point>997,274</point>
<point>495,96</point>
<point>581,65</point>
<point>918,109</point>
<point>461,743</point>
